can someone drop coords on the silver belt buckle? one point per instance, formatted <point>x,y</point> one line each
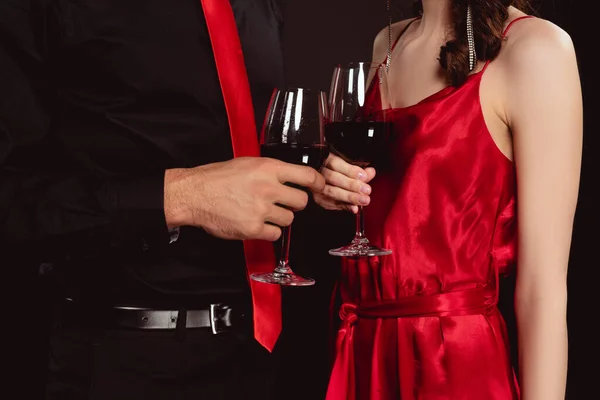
<point>220,318</point>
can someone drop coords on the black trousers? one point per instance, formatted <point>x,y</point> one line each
<point>95,363</point>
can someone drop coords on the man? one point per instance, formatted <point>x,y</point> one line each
<point>117,177</point>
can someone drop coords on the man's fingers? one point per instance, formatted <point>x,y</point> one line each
<point>295,199</point>
<point>279,216</point>
<point>269,233</point>
<point>301,175</point>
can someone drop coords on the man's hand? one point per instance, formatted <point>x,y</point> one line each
<point>242,198</point>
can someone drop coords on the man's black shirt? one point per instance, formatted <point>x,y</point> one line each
<point>97,99</point>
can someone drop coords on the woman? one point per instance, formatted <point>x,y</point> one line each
<point>482,117</point>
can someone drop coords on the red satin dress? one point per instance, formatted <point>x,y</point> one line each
<point>422,323</point>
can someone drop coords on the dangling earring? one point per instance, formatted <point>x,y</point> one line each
<point>388,62</point>
<point>471,39</point>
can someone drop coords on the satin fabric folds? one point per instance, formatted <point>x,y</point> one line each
<point>422,323</point>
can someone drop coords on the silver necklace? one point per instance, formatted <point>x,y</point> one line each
<point>389,54</point>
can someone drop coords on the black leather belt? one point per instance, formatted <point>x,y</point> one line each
<point>218,317</point>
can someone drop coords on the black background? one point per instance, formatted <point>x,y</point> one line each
<point>318,34</point>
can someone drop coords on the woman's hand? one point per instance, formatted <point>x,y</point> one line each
<point>346,185</point>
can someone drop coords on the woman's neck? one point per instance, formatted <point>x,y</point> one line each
<point>437,17</point>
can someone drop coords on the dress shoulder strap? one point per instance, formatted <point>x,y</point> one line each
<point>399,36</point>
<point>513,22</point>
<point>505,32</point>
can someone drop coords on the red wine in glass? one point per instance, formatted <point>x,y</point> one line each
<point>293,132</point>
<point>357,131</point>
<point>359,143</point>
<point>312,155</point>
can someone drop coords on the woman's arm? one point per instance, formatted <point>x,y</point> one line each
<point>544,111</point>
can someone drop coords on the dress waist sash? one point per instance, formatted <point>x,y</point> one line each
<point>480,300</point>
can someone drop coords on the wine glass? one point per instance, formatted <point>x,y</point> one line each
<point>358,132</point>
<point>293,132</point>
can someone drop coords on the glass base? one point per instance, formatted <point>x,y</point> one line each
<point>284,279</point>
<point>357,249</point>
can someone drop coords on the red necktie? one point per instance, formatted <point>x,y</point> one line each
<point>222,29</point>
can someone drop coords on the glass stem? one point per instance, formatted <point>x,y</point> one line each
<point>359,236</point>
<point>283,267</point>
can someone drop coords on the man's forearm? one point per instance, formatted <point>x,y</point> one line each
<point>55,214</point>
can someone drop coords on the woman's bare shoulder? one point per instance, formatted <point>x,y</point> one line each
<point>534,38</point>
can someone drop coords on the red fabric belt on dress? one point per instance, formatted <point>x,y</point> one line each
<point>464,302</point>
